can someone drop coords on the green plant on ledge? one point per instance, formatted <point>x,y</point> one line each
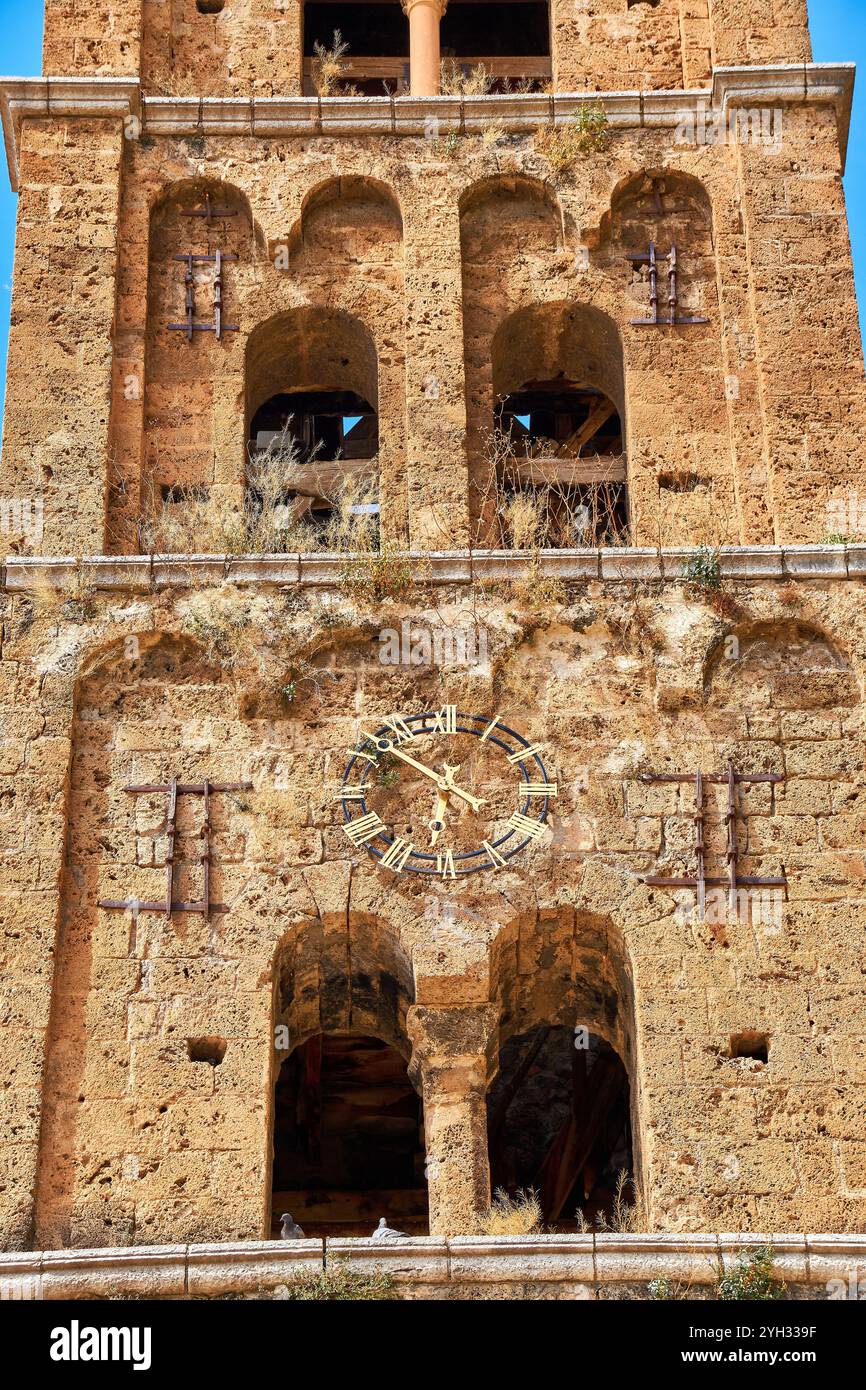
<point>338,1284</point>
<point>702,571</point>
<point>752,1280</point>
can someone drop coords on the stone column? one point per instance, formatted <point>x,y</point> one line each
<point>424,17</point>
<point>436,467</point>
<point>56,445</point>
<point>451,1063</point>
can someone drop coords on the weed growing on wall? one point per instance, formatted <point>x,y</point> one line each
<point>512,1216</point>
<point>563,145</point>
<point>753,1279</point>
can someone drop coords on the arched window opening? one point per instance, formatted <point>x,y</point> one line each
<point>355,50</point>
<point>313,432</point>
<point>558,1122</point>
<point>496,48</point>
<point>557,475</point>
<point>565,449</point>
<point>348,1139</point>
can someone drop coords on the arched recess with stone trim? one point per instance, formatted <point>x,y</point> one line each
<point>173,417</point>
<point>557,402</point>
<point>312,412</point>
<point>563,1108</point>
<point>346,1122</point>
<point>150,1025</point>
<point>343,260</point>
<point>682,385</point>
<point>512,242</point>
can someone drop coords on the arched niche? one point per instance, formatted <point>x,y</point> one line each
<point>558,427</point>
<point>312,394</point>
<point>188,380</point>
<point>120,1070</point>
<point>353,219</point>
<point>346,1124</point>
<point>562,1109</point>
<point>779,666</point>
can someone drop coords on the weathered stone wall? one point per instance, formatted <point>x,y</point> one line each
<point>726,440</point>
<point>56,424</point>
<point>135,1142</point>
<point>253,45</point>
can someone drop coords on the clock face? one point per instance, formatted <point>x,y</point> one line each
<point>444,793</point>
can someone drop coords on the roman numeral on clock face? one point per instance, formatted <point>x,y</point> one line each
<point>445,864</point>
<point>396,854</point>
<point>496,859</point>
<point>364,828</point>
<point>399,728</point>
<point>523,753</point>
<point>350,794</point>
<point>537,788</point>
<point>445,720</point>
<point>526,826</point>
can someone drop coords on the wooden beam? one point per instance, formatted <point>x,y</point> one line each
<point>561,472</point>
<point>572,446</point>
<point>574,1143</point>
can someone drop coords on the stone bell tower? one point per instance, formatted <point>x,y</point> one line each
<point>337,323</point>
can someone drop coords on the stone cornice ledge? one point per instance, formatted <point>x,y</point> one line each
<point>773,84</point>
<point>143,573</point>
<point>576,1266</point>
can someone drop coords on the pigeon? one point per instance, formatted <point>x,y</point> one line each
<point>289,1229</point>
<point>384,1232</point>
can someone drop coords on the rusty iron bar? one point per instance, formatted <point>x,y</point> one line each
<point>169,854</point>
<point>701,881</point>
<point>731,821</point>
<point>674,319</point>
<point>208,212</point>
<point>205,849</point>
<point>189,327</point>
<point>699,844</point>
<point>173,790</point>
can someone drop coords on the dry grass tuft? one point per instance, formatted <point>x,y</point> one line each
<point>512,1216</point>
<point>456,80</point>
<point>271,521</point>
<point>330,68</point>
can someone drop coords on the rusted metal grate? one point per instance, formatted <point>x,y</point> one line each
<point>173,790</point>
<point>734,879</point>
<point>190,326</point>
<point>675,318</point>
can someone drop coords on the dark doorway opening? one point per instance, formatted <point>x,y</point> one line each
<point>565,447</point>
<point>318,443</point>
<point>376,36</point>
<point>558,1121</point>
<point>348,1139</point>
<point>511,41</point>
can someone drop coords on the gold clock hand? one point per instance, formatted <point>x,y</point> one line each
<point>476,802</point>
<point>437,824</point>
<point>443,783</point>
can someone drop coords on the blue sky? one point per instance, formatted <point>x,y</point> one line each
<point>838,34</point>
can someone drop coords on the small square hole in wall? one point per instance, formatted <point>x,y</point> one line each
<point>752,1046</point>
<point>210,1050</point>
<point>209,6</point>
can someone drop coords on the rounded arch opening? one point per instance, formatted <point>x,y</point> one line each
<point>312,401</point>
<point>346,1121</point>
<point>559,426</point>
<point>561,1112</point>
